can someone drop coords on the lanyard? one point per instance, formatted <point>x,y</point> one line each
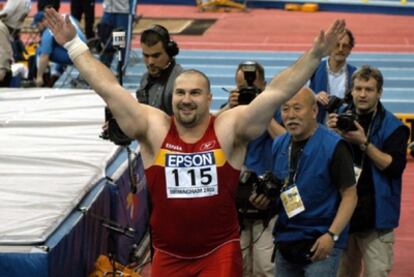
<point>293,170</point>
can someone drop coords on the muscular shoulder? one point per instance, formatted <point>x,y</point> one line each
<point>159,125</point>
<point>234,146</point>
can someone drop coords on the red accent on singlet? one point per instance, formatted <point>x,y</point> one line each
<point>192,227</point>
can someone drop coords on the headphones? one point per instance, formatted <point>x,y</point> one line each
<point>170,45</point>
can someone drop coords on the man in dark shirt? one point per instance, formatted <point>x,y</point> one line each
<point>318,196</point>
<point>159,51</point>
<point>87,8</point>
<point>379,141</point>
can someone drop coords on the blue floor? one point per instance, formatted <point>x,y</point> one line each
<point>398,71</point>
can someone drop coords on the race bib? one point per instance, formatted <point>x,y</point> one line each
<point>292,202</point>
<point>191,175</point>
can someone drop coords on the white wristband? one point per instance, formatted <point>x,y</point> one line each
<point>75,47</point>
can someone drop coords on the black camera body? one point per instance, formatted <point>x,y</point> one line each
<point>266,184</point>
<point>346,122</point>
<point>250,182</point>
<point>114,132</point>
<point>248,92</point>
<point>334,103</point>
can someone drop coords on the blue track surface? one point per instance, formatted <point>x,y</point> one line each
<point>398,71</point>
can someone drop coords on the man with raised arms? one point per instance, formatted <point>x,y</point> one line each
<point>192,159</point>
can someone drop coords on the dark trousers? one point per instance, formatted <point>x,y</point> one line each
<point>86,7</point>
<point>41,4</point>
<point>7,80</point>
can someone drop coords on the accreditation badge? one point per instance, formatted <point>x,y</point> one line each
<point>292,202</point>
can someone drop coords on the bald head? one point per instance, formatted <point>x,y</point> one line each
<point>306,96</point>
<point>299,114</point>
<point>194,74</point>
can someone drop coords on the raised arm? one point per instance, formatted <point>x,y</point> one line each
<point>251,120</point>
<point>133,118</point>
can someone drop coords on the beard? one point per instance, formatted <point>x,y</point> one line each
<point>154,71</point>
<point>186,120</point>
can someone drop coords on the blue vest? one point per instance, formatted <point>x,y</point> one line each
<point>387,190</point>
<point>319,195</point>
<point>259,151</point>
<point>319,82</point>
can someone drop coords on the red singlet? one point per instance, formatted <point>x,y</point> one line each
<point>192,190</point>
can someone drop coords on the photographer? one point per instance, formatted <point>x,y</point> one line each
<point>379,142</point>
<point>332,78</point>
<point>256,225</point>
<point>318,195</point>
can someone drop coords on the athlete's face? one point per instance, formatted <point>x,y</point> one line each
<point>155,58</point>
<point>191,99</point>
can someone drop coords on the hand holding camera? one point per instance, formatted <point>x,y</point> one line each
<point>322,97</point>
<point>343,122</point>
<point>333,103</point>
<point>348,127</point>
<point>263,190</point>
<point>259,201</point>
<point>233,100</point>
<point>346,122</point>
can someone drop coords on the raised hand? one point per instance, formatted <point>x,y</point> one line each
<point>325,42</point>
<point>61,27</point>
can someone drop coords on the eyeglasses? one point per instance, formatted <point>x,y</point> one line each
<point>344,46</point>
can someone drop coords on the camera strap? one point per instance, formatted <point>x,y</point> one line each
<point>368,138</point>
<point>254,240</point>
<point>295,151</point>
<point>290,195</point>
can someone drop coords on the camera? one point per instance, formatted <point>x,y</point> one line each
<point>334,103</point>
<point>248,92</point>
<point>114,132</point>
<point>266,184</point>
<point>346,122</point>
<point>250,182</point>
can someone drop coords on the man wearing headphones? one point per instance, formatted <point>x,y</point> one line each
<point>157,83</point>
